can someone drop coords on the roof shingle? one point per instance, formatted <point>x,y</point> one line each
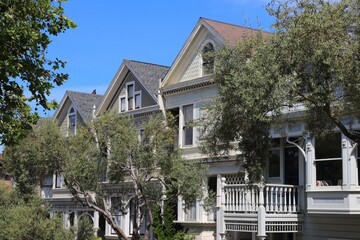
<point>232,33</point>
<point>149,74</point>
<point>84,103</point>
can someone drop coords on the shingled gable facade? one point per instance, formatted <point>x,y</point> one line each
<point>311,191</point>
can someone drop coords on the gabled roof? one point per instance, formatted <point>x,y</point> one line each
<point>222,32</point>
<point>147,74</point>
<point>229,32</point>
<point>83,102</point>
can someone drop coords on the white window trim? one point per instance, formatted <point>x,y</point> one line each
<point>182,124</point>
<point>126,96</point>
<point>279,178</point>
<point>202,59</point>
<point>120,97</point>
<point>68,120</point>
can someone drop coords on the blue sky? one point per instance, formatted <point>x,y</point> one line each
<point>109,31</point>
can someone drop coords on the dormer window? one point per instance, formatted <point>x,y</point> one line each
<point>208,58</point>
<point>130,93</point>
<point>72,122</point>
<point>131,100</point>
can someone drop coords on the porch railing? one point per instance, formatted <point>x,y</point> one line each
<point>277,198</point>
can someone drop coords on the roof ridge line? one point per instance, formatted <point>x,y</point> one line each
<point>154,64</point>
<point>235,25</point>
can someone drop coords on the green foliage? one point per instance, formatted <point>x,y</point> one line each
<point>109,146</point>
<point>164,226</point>
<point>26,31</point>
<point>85,229</point>
<point>27,220</point>
<point>39,154</point>
<point>311,60</point>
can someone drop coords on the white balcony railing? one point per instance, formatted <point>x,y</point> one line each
<point>276,198</point>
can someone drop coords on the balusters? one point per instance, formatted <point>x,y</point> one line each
<point>294,200</point>
<point>267,202</point>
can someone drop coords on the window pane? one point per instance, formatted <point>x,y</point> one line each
<point>328,173</point>
<point>328,146</point>
<point>137,101</point>
<point>190,213</point>
<point>130,90</point>
<point>58,182</point>
<point>123,104</point>
<point>72,123</point>
<point>130,103</point>
<point>274,163</point>
<point>188,130</point>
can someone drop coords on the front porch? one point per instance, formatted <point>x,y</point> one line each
<point>260,209</point>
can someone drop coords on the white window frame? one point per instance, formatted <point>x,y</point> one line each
<point>126,96</point>
<point>280,148</point>
<point>322,182</point>
<point>56,177</point>
<point>183,125</point>
<point>202,58</point>
<point>71,114</point>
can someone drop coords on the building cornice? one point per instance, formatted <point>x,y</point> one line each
<point>187,85</point>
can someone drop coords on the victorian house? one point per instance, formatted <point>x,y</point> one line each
<point>311,188</point>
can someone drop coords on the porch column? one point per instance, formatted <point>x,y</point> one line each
<point>261,215</point>
<point>96,222</point>
<point>220,202</point>
<point>180,209</point>
<point>310,165</point>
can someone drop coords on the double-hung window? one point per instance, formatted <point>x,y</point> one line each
<point>131,99</point>
<point>130,96</point>
<point>328,159</point>
<point>72,122</point>
<point>187,128</point>
<point>274,159</point>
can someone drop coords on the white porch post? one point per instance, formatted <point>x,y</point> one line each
<point>96,222</point>
<point>261,215</point>
<point>310,165</point>
<point>220,202</point>
<point>180,209</point>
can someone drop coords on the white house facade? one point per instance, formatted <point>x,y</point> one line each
<point>312,186</point>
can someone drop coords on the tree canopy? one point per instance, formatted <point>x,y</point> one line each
<point>106,154</point>
<point>29,219</point>
<point>26,73</point>
<point>311,62</point>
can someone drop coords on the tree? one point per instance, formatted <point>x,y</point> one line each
<point>164,226</point>
<point>26,31</point>
<point>109,153</point>
<point>29,219</point>
<point>311,60</point>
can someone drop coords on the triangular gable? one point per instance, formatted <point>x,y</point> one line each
<point>146,74</point>
<point>83,104</point>
<point>187,65</point>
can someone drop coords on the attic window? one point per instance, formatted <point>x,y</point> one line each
<point>208,58</point>
<point>131,99</point>
<point>72,122</point>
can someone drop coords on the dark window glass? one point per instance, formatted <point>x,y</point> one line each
<point>274,163</point>
<point>188,130</point>
<point>123,104</point>
<point>208,59</point>
<point>328,173</point>
<point>328,146</point>
<point>130,92</point>
<point>137,101</point>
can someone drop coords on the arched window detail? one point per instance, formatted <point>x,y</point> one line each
<point>208,58</point>
<point>72,122</point>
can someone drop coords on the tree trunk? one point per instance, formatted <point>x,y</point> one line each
<point>87,200</point>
